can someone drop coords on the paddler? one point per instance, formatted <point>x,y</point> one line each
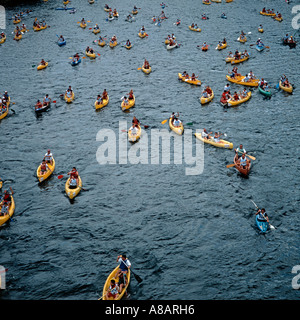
<point>130,95</point>
<point>135,121</point>
<point>240,150</point>
<point>104,94</point>
<point>74,174</point>
<point>146,64</point>
<point>205,134</point>
<point>217,137</point>
<point>262,215</point>
<point>44,167</point>
<point>43,62</point>
<point>99,99</point>
<point>48,157</point>
<point>46,100</point>
<point>243,161</point>
<point>6,199</point>
<point>38,105</point>
<point>124,265</point>
<point>113,290</point>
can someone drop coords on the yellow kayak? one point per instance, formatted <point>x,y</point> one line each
<point>142,35</point>
<point>229,59</point>
<point>189,80</point>
<point>261,30</point>
<point>195,29</point>
<point>222,144</point>
<point>134,11</point>
<point>40,28</point>
<point>239,80</point>
<point>288,89</point>
<point>179,130</point>
<point>103,104</point>
<point>91,55</point>
<point>206,100</point>
<point>147,71</point>
<point>233,103</point>
<point>69,99</point>
<point>1,183</point>
<point>128,47</point>
<point>206,2</point>
<point>278,19</point>
<point>130,104</point>
<point>222,46</point>
<point>47,174</point>
<point>95,31</point>
<point>242,39</point>
<point>72,193</point>
<point>101,43</point>
<point>42,66</point>
<point>11,211</point>
<point>4,114</point>
<point>19,37</point>
<point>134,137</point>
<point>82,25</point>
<point>234,61</point>
<point>107,284</point>
<point>2,40</point>
<point>16,21</point>
<point>113,44</point>
<point>267,14</point>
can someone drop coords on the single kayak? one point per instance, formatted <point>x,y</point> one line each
<point>113,44</point>
<point>101,43</point>
<point>169,47</point>
<point>261,224</point>
<point>11,211</point>
<point>2,40</point>
<point>19,37</point>
<point>221,144</point>
<point>147,71</point>
<point>266,93</point>
<point>73,192</point>
<point>61,43</point>
<point>142,35</point>
<point>179,130</point>
<point>47,174</point>
<point>103,104</point>
<point>107,284</point>
<point>42,66</point>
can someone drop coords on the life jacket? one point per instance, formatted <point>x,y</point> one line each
<point>113,290</point>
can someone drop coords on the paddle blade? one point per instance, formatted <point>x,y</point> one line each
<point>139,68</point>
<point>251,157</point>
<point>164,121</point>
<point>230,165</point>
<point>60,176</point>
<point>138,278</point>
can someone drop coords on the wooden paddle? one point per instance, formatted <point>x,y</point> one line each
<point>230,165</point>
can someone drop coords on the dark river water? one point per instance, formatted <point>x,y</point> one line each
<point>187,236</point>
